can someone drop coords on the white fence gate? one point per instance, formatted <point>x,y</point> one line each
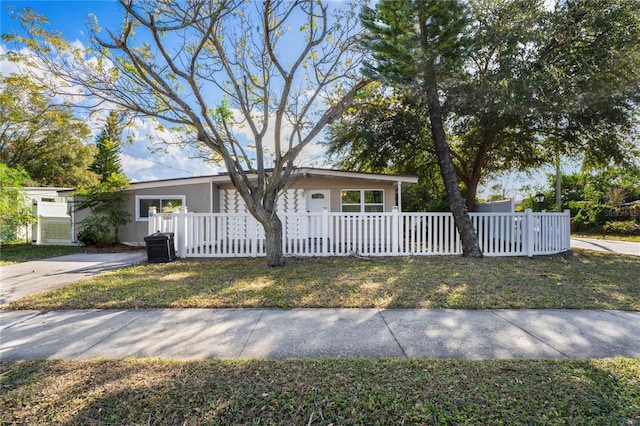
<point>367,234</point>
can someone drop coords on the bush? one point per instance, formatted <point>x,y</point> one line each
<point>628,227</point>
<point>94,232</point>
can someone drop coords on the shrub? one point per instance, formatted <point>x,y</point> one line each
<point>628,227</point>
<point>94,232</point>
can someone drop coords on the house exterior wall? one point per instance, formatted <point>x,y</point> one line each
<point>336,185</point>
<point>221,197</point>
<point>198,199</point>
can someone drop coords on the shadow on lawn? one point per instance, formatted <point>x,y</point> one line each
<point>581,280</point>
<point>341,391</point>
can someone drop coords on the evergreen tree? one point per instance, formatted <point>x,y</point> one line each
<point>414,44</point>
<point>106,160</point>
<point>106,201</point>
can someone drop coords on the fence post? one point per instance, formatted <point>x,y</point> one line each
<point>566,237</point>
<point>151,214</point>
<point>255,225</point>
<point>529,231</point>
<point>325,231</point>
<point>395,230</point>
<point>181,232</point>
<point>39,230</point>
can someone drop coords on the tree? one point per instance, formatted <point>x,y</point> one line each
<point>415,43</point>
<point>595,196</point>
<point>106,160</point>
<point>277,70</point>
<point>43,138</point>
<point>15,207</point>
<point>586,83</point>
<point>106,200</point>
<point>512,104</point>
<point>386,133</point>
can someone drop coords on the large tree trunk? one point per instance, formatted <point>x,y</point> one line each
<point>472,192</point>
<point>273,241</point>
<point>470,244</point>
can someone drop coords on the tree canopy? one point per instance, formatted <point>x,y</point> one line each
<point>42,137</point>
<point>531,83</point>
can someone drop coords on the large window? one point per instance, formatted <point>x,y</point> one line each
<point>163,204</point>
<point>362,200</point>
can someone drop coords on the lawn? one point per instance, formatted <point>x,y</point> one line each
<point>322,392</point>
<point>21,252</point>
<point>575,280</point>
<point>598,236</point>
<point>337,391</point>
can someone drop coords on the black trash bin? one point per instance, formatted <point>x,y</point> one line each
<point>160,247</point>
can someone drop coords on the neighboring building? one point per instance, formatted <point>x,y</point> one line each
<point>310,190</point>
<point>54,224</point>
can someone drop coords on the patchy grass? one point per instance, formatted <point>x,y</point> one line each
<point>337,391</point>
<point>21,252</point>
<point>577,280</point>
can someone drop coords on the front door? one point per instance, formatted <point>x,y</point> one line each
<point>317,199</point>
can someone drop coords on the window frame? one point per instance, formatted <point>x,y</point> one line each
<point>362,204</point>
<point>156,197</point>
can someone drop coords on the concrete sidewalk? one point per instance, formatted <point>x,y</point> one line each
<point>313,333</point>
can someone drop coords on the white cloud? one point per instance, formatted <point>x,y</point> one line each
<point>150,157</point>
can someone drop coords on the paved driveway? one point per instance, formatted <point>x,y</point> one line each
<point>26,278</point>
<point>610,246</point>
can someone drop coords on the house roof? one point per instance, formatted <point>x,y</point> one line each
<point>306,172</point>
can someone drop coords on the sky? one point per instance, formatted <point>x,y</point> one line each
<point>70,18</point>
<point>139,163</point>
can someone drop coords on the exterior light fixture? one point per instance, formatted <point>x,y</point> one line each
<point>540,200</point>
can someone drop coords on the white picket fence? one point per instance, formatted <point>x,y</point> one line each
<point>367,234</point>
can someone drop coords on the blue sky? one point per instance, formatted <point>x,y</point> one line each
<point>70,18</point>
<point>139,163</point>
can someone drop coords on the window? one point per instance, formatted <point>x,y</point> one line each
<point>362,200</point>
<point>163,204</point>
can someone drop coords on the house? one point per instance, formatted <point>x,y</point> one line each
<point>310,190</point>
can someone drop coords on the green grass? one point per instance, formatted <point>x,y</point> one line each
<point>21,252</point>
<point>578,280</point>
<point>597,236</point>
<point>322,392</point>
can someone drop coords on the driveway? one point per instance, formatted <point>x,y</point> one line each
<point>611,246</point>
<point>26,278</point>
